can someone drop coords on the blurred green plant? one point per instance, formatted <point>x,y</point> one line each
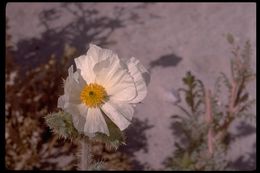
<point>207,118</point>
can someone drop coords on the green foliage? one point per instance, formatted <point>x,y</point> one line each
<point>193,91</point>
<point>192,126</point>
<point>207,141</point>
<point>61,124</point>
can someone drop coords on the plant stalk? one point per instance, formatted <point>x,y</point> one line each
<point>85,159</point>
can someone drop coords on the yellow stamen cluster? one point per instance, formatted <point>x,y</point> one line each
<point>93,95</point>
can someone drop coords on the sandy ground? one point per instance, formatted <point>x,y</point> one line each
<point>168,38</point>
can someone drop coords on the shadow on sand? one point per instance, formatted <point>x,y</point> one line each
<point>136,140</point>
<point>87,27</point>
<point>167,60</point>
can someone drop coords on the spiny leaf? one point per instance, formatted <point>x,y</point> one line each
<point>184,110</point>
<point>241,88</point>
<point>226,80</point>
<point>246,54</point>
<point>61,123</point>
<point>188,79</point>
<point>244,97</point>
<point>177,117</point>
<point>248,116</point>
<point>194,90</point>
<point>247,106</point>
<point>198,104</point>
<point>217,86</point>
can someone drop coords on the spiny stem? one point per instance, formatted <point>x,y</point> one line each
<point>85,155</point>
<point>209,119</point>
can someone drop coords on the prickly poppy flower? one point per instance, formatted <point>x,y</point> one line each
<point>103,85</point>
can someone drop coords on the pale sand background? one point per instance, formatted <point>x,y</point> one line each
<point>168,38</point>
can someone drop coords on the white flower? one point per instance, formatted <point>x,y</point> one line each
<point>103,85</point>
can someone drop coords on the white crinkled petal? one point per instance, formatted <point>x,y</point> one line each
<point>70,101</point>
<point>73,86</point>
<point>98,54</point>
<point>120,114</point>
<point>79,78</point>
<point>61,102</point>
<point>122,87</point>
<point>79,123</point>
<point>79,116</point>
<point>136,70</point>
<point>95,122</point>
<point>126,109</point>
<point>87,62</point>
<point>114,76</point>
<point>106,68</point>
<point>77,119</point>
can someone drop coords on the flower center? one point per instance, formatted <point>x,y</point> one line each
<point>93,95</point>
